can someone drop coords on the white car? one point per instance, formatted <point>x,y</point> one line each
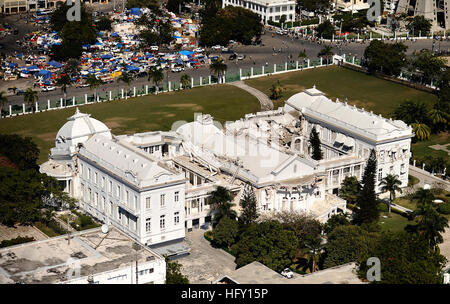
<point>177,69</point>
<point>287,273</point>
<point>48,89</point>
<point>240,57</point>
<point>216,47</point>
<point>154,48</point>
<point>199,50</point>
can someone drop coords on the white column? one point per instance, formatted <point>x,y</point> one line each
<point>110,95</point>
<point>61,103</point>
<point>274,67</point>
<point>169,86</point>
<point>134,91</point>
<point>309,62</point>
<point>209,79</point>
<point>353,60</point>
<point>98,98</point>
<point>201,80</point>
<point>285,66</point>
<point>48,104</point>
<point>192,82</point>
<point>85,98</point>
<point>262,69</point>
<point>23,108</point>
<point>10,110</point>
<point>251,72</point>
<point>37,106</point>
<point>296,65</point>
<point>240,74</point>
<point>73,100</point>
<point>122,93</point>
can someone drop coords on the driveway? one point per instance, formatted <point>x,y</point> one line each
<point>205,264</point>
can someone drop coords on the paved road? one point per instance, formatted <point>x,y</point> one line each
<point>426,178</point>
<point>266,103</point>
<point>205,264</point>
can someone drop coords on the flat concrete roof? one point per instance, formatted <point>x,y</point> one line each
<point>49,261</point>
<point>257,273</point>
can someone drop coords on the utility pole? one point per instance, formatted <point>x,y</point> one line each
<point>136,247</point>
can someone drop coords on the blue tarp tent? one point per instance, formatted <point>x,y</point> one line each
<point>13,65</point>
<point>107,56</point>
<point>33,67</point>
<point>46,74</point>
<point>135,11</point>
<point>55,64</point>
<point>131,68</point>
<point>176,37</point>
<point>187,53</point>
<point>115,35</point>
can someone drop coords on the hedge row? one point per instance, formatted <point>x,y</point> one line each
<point>16,241</point>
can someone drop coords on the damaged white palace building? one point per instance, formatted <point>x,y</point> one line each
<point>154,185</point>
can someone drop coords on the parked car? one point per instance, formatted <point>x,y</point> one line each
<point>232,57</point>
<point>177,69</point>
<point>154,48</point>
<point>287,273</point>
<point>240,57</point>
<point>199,50</point>
<point>20,92</point>
<point>216,47</point>
<point>48,89</point>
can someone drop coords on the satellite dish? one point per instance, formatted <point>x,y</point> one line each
<point>105,228</point>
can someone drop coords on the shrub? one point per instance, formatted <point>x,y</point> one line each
<point>383,207</point>
<point>444,208</point>
<point>16,241</point>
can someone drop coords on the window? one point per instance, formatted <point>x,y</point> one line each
<point>118,191</point>
<point>89,174</point>
<point>90,195</point>
<point>135,202</point>
<point>147,203</point>
<point>96,178</point>
<point>82,191</point>
<point>163,197</point>
<point>127,197</point>
<point>103,203</point>
<point>110,208</point>
<point>148,225</point>
<point>81,169</point>
<point>176,219</point>
<point>119,213</point>
<point>402,169</point>
<point>380,174</point>
<point>162,222</point>
<point>156,148</point>
<point>103,183</point>
<point>176,196</point>
<point>96,199</point>
<point>110,187</point>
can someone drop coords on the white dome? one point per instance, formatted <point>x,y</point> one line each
<point>78,129</point>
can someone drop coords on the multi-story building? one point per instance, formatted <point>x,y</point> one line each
<point>435,10</point>
<point>268,10</point>
<point>153,185</point>
<point>351,5</point>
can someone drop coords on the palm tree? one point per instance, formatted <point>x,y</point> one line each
<point>185,80</point>
<point>424,196</point>
<point>391,183</point>
<point>276,90</point>
<point>430,223</point>
<point>302,55</point>
<point>313,246</point>
<point>220,200</point>
<point>421,130</point>
<point>30,97</point>
<point>326,52</point>
<point>125,78</point>
<point>64,81</point>
<point>93,83</point>
<point>156,75</point>
<point>72,66</point>
<point>218,67</point>
<point>3,101</point>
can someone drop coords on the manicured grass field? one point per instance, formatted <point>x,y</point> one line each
<point>393,223</point>
<point>149,113</point>
<point>364,91</point>
<point>421,148</point>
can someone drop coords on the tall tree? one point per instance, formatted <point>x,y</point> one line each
<point>421,130</point>
<point>173,273</point>
<point>349,189</point>
<point>30,97</point>
<point>367,207</point>
<point>327,53</point>
<point>225,233</point>
<point>385,57</point>
<point>325,30</point>
<point>218,67</point>
<point>267,243</point>
<point>419,25</point>
<point>390,183</point>
<point>64,81</point>
<point>185,80</point>
<point>125,78</point>
<point>3,102</point>
<point>315,143</point>
<point>276,90</point>
<point>93,83</point>
<point>156,75</point>
<point>314,248</point>
<point>220,200</point>
<point>430,224</point>
<point>249,207</point>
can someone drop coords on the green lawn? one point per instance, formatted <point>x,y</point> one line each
<point>373,94</point>
<point>149,113</point>
<point>422,149</point>
<point>393,223</point>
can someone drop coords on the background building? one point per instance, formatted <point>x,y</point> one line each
<point>438,11</point>
<point>267,9</point>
